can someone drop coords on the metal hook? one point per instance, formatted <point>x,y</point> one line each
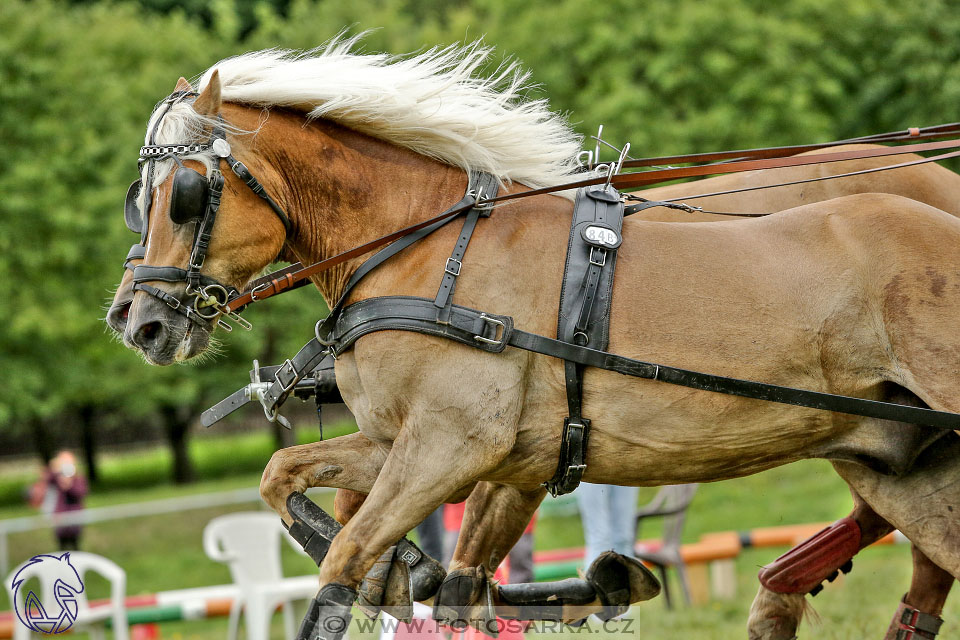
<point>614,167</point>
<point>596,149</point>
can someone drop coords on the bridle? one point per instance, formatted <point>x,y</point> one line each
<point>194,197</point>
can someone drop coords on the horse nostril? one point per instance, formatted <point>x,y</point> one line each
<point>147,334</point>
<point>117,317</point>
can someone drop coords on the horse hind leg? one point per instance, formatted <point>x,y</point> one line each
<point>780,603</point>
<point>918,616</point>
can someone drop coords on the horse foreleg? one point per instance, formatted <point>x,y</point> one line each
<point>918,615</point>
<point>348,462</point>
<point>443,463</point>
<point>779,605</point>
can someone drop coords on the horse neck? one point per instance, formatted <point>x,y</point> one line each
<point>346,188</point>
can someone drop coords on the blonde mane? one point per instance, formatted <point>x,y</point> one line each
<point>434,103</point>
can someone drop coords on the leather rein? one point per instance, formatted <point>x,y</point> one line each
<point>297,275</point>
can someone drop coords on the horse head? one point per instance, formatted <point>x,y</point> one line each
<point>204,231</point>
<point>68,574</point>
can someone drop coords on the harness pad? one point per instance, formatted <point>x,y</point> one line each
<point>586,294</point>
<point>584,316</point>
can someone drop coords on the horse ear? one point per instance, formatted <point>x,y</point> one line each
<point>208,102</point>
<point>65,556</point>
<point>183,85</point>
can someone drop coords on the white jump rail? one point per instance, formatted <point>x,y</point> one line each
<point>123,511</point>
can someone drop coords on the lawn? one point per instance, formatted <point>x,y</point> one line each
<point>164,552</point>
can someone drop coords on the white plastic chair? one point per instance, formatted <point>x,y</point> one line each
<point>89,619</point>
<point>671,504</point>
<point>249,543</point>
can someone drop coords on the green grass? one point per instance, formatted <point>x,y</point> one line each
<point>164,552</point>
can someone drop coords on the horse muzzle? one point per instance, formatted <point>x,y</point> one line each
<point>157,331</point>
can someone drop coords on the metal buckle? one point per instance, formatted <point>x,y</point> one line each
<point>287,386</point>
<point>326,343</point>
<point>455,270</point>
<point>573,467</point>
<point>259,288</point>
<point>495,323</point>
<point>603,256</point>
<point>573,425</point>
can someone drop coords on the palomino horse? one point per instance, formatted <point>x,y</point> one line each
<point>851,299</point>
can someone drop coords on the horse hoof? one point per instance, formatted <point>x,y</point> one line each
<point>619,582</point>
<point>459,596</point>
<point>426,572</point>
<point>328,615</point>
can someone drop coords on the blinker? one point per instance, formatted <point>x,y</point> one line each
<point>188,198</point>
<point>131,212</point>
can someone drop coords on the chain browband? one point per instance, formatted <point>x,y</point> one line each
<point>161,150</point>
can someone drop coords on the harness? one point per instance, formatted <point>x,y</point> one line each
<point>583,317</point>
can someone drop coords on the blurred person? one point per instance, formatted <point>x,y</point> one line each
<point>60,489</point>
<point>608,514</point>
<point>452,517</point>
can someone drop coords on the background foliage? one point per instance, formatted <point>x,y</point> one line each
<point>79,79</point>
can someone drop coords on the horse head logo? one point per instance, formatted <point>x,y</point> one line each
<point>67,585</point>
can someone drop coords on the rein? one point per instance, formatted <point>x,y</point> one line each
<point>297,275</point>
<point>913,133</point>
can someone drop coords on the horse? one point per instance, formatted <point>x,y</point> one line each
<point>775,615</point>
<point>518,392</point>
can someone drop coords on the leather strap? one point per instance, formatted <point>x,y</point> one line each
<point>310,355</point>
<point>491,332</point>
<point>914,133</point>
<point>587,280</point>
<point>645,178</point>
<point>137,252</point>
<point>241,171</point>
<point>175,303</point>
<point>889,167</point>
<point>913,624</point>
<point>482,185</point>
<point>290,373</point>
<point>277,286</point>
